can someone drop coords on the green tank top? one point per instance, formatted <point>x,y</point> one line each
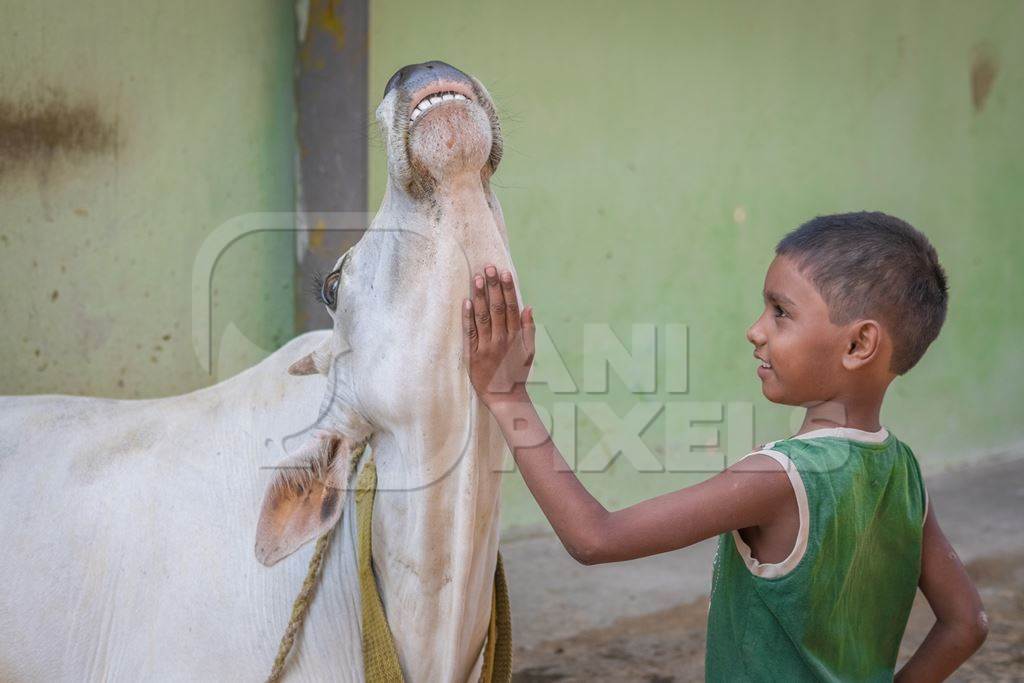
<point>836,608</point>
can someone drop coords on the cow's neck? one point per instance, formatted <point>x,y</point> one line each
<point>439,541</point>
<point>437,548</point>
<point>461,209</point>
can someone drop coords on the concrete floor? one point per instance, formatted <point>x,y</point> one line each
<point>644,620</point>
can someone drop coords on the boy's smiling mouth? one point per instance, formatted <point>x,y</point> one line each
<point>764,368</point>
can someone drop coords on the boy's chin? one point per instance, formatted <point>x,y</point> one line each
<point>776,393</point>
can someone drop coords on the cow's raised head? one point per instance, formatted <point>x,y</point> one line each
<point>440,129</point>
<point>437,122</point>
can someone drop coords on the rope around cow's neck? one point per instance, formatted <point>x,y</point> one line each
<point>300,606</point>
<point>305,596</point>
<point>380,660</point>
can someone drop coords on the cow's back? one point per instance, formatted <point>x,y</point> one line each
<point>126,541</point>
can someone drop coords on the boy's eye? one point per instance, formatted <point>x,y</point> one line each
<point>779,313</point>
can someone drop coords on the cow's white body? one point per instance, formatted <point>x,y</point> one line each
<point>126,546</point>
<point>127,536</point>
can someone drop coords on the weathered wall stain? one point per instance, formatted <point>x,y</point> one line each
<point>115,155</point>
<point>34,133</point>
<point>983,73</point>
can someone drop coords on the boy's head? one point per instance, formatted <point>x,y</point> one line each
<point>851,300</point>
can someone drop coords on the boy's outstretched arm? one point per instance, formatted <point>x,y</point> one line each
<point>499,346</point>
<point>960,622</point>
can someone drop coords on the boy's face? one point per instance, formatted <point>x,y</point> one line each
<point>799,348</point>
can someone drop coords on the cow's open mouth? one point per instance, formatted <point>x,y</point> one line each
<point>438,96</point>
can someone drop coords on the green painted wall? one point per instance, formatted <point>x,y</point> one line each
<point>129,131</point>
<point>656,151</point>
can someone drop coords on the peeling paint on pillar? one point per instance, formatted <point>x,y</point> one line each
<point>331,151</point>
<point>325,17</point>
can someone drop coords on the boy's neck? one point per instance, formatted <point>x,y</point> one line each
<point>861,412</point>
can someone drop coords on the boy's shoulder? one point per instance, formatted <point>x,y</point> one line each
<point>833,448</point>
<point>834,437</point>
<point>851,458</point>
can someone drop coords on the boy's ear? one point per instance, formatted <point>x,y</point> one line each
<point>863,344</point>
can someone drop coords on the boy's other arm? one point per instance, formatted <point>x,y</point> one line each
<point>960,621</point>
<point>499,347</point>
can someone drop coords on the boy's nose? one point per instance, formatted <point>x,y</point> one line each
<point>754,334</point>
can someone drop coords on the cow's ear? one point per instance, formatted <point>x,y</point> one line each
<point>318,360</point>
<point>304,498</point>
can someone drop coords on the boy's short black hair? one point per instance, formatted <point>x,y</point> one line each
<point>873,265</point>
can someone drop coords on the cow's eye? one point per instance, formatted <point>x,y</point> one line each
<point>329,290</point>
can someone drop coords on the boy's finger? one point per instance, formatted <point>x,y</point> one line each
<point>496,300</point>
<point>529,333</point>
<point>482,317</point>
<point>508,290</point>
<point>469,334</point>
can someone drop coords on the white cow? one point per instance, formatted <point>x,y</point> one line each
<point>126,545</point>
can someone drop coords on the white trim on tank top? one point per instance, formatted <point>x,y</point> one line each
<point>774,570</point>
<point>840,433</point>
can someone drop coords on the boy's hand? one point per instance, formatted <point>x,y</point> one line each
<point>498,342</point>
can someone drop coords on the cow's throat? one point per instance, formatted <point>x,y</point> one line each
<point>435,552</point>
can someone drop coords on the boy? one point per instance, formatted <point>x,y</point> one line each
<point>823,537</point>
